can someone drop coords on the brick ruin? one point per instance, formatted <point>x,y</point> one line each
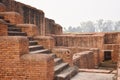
<point>33,47</point>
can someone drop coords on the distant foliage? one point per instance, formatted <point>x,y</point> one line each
<point>98,26</point>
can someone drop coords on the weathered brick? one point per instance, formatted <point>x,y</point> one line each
<point>30,29</point>
<point>84,60</point>
<point>13,17</point>
<point>65,54</point>
<point>47,41</point>
<point>2,7</point>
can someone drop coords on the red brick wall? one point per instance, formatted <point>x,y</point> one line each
<point>13,17</point>
<point>115,52</point>
<point>52,28</point>
<point>111,38</point>
<point>30,14</point>
<point>17,64</point>
<point>2,7</point>
<point>65,54</point>
<point>46,41</point>
<point>38,66</point>
<point>33,16</point>
<point>86,41</point>
<point>10,51</point>
<point>84,60</point>
<point>30,29</point>
<point>3,29</point>
<point>118,68</point>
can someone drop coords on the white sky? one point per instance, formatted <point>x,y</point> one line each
<point>72,12</point>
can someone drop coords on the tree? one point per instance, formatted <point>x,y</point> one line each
<point>117,26</point>
<point>99,25</point>
<point>88,26</point>
<point>108,26</point>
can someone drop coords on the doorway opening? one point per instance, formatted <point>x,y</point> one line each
<point>107,55</point>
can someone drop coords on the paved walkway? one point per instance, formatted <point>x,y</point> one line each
<point>93,76</point>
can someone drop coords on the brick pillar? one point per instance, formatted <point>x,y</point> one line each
<point>47,41</point>
<point>11,49</point>
<point>65,54</point>
<point>86,60</point>
<point>38,66</point>
<point>30,29</point>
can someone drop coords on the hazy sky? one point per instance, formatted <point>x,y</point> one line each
<point>72,12</point>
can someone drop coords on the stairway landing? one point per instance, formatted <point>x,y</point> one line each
<point>93,76</point>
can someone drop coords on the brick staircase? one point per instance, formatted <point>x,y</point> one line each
<point>62,70</point>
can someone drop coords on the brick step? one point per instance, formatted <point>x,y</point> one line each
<point>14,29</point>
<point>58,61</point>
<point>67,74</point>
<point>35,47</point>
<point>11,25</point>
<point>14,33</point>
<point>1,17</point>
<point>59,68</point>
<point>108,65</point>
<point>30,38</point>
<point>53,55</point>
<point>7,21</point>
<point>40,51</point>
<point>31,43</point>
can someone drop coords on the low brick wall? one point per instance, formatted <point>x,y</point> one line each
<point>87,41</point>
<point>84,60</point>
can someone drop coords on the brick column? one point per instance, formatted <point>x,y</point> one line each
<point>38,66</point>
<point>11,49</point>
<point>86,60</point>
